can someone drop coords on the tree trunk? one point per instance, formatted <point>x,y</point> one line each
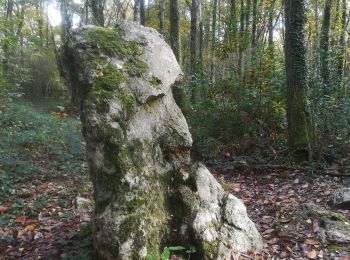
<point>299,123</point>
<point>232,25</point>
<point>175,29</point>
<point>97,8</point>
<point>137,11</point>
<point>193,36</point>
<point>213,43</point>
<point>66,23</point>
<point>324,48</point>
<point>161,16</point>
<point>6,43</point>
<point>271,27</point>
<point>341,48</point>
<point>241,37</point>
<point>142,13</point>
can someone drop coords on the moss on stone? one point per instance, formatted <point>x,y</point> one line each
<point>210,249</point>
<point>338,248</point>
<point>135,67</point>
<point>109,78</point>
<point>155,82</point>
<point>98,99</point>
<point>107,39</point>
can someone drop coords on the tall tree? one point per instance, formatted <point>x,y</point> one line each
<point>270,25</point>
<point>142,12</point>
<point>341,49</point>
<point>175,28</point>
<point>161,16</point>
<point>137,11</point>
<point>97,7</point>
<point>241,37</point>
<point>193,36</point>
<point>8,33</point>
<point>299,123</point>
<point>324,47</point>
<point>213,41</point>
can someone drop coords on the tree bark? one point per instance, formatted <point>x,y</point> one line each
<point>299,123</point>
<point>142,12</point>
<point>341,48</point>
<point>97,7</point>
<point>213,42</point>
<point>6,43</point>
<point>324,48</point>
<point>193,36</point>
<point>161,16</point>
<point>137,11</point>
<point>271,13</point>
<point>241,37</point>
<point>175,29</point>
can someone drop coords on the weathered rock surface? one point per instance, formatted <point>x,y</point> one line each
<point>147,192</point>
<point>333,227</point>
<point>341,198</point>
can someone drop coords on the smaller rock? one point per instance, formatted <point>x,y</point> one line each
<point>81,202</point>
<point>341,198</point>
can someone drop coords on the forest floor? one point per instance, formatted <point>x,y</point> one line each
<point>46,206</point>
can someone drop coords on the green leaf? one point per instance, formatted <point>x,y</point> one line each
<point>150,257</point>
<point>166,253</point>
<point>176,248</point>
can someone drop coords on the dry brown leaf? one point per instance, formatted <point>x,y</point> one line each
<point>21,219</point>
<point>311,241</point>
<point>3,209</point>
<point>28,228</point>
<point>312,254</point>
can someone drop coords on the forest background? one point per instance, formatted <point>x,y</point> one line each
<point>233,57</point>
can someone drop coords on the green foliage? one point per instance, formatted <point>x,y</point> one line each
<point>166,254</point>
<point>30,144</point>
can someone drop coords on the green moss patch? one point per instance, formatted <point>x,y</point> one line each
<point>111,42</point>
<point>136,67</point>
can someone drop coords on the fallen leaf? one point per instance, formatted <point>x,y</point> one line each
<point>28,228</point>
<point>3,209</point>
<point>311,241</point>
<point>315,226</point>
<point>21,219</point>
<point>312,254</point>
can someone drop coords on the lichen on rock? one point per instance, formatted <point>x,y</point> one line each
<point>148,193</point>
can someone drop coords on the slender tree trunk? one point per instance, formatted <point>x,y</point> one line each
<point>341,48</point>
<point>255,5</point>
<point>193,36</point>
<point>200,38</point>
<point>213,42</point>
<point>271,27</point>
<point>8,31</point>
<point>137,11</point>
<point>232,22</point>
<point>299,123</point>
<point>97,8</point>
<point>66,23</point>
<point>86,12</point>
<point>175,29</point>
<point>40,22</point>
<point>161,16</point>
<point>316,48</point>
<point>142,12</point>
<point>324,48</point>
<point>246,42</point>
<point>241,37</point>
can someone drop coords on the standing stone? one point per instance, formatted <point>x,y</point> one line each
<point>148,194</point>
